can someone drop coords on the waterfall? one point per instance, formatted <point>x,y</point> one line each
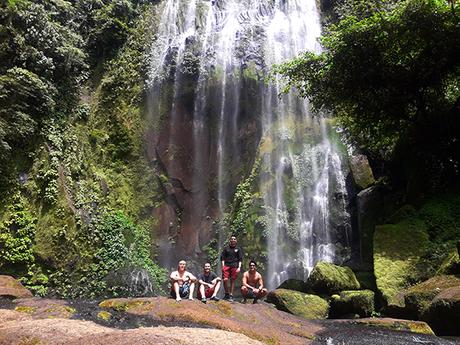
<point>207,73</point>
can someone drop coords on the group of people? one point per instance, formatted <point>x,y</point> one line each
<point>252,285</point>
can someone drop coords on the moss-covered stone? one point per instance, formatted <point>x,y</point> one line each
<point>397,250</point>
<point>327,278</point>
<point>398,325</point>
<point>359,302</point>
<point>297,303</point>
<point>361,171</point>
<point>443,313</point>
<point>418,298</point>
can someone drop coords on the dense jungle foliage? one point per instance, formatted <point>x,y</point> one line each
<point>390,74</point>
<point>73,196</point>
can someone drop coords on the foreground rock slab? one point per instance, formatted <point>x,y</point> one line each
<point>20,330</point>
<point>160,320</point>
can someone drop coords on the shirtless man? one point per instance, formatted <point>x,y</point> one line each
<point>253,284</point>
<point>182,282</point>
<point>209,284</point>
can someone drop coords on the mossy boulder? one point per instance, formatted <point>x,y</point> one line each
<point>327,278</point>
<point>361,171</point>
<point>443,313</point>
<point>418,298</point>
<point>397,250</point>
<point>10,287</point>
<point>397,325</point>
<point>359,302</point>
<point>295,284</point>
<point>300,304</point>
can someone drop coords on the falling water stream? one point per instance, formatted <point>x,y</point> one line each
<point>212,47</point>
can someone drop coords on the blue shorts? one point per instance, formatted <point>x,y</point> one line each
<point>184,291</point>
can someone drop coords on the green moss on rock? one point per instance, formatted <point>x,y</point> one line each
<point>104,315</point>
<point>397,250</point>
<point>361,171</point>
<point>359,302</point>
<point>327,278</point>
<point>398,325</point>
<point>297,303</point>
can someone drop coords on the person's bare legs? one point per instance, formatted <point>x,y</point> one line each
<point>226,287</point>
<point>202,291</point>
<point>244,293</point>
<point>232,286</point>
<point>261,294</point>
<point>216,289</point>
<point>176,290</point>
<point>192,288</point>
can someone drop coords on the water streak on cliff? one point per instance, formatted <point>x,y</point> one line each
<point>216,55</point>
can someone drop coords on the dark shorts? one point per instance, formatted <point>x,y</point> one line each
<point>184,290</point>
<point>229,272</point>
<point>207,292</point>
<point>250,294</point>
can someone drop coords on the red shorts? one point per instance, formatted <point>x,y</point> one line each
<point>229,272</point>
<point>207,293</point>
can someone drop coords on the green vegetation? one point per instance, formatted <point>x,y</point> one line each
<point>80,210</point>
<point>417,247</point>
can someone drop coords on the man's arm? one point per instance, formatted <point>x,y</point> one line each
<point>261,282</point>
<point>222,257</point>
<point>174,277</point>
<point>191,277</point>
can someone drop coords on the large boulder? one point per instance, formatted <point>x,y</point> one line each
<point>327,279</point>
<point>436,301</point>
<point>443,315</point>
<point>418,298</point>
<point>361,171</point>
<point>300,304</point>
<point>370,205</point>
<point>360,302</point>
<point>397,250</point>
<point>10,287</point>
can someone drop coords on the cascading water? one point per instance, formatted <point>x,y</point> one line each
<point>204,54</point>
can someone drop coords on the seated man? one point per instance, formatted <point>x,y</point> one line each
<point>253,284</point>
<point>209,284</point>
<point>182,282</point>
